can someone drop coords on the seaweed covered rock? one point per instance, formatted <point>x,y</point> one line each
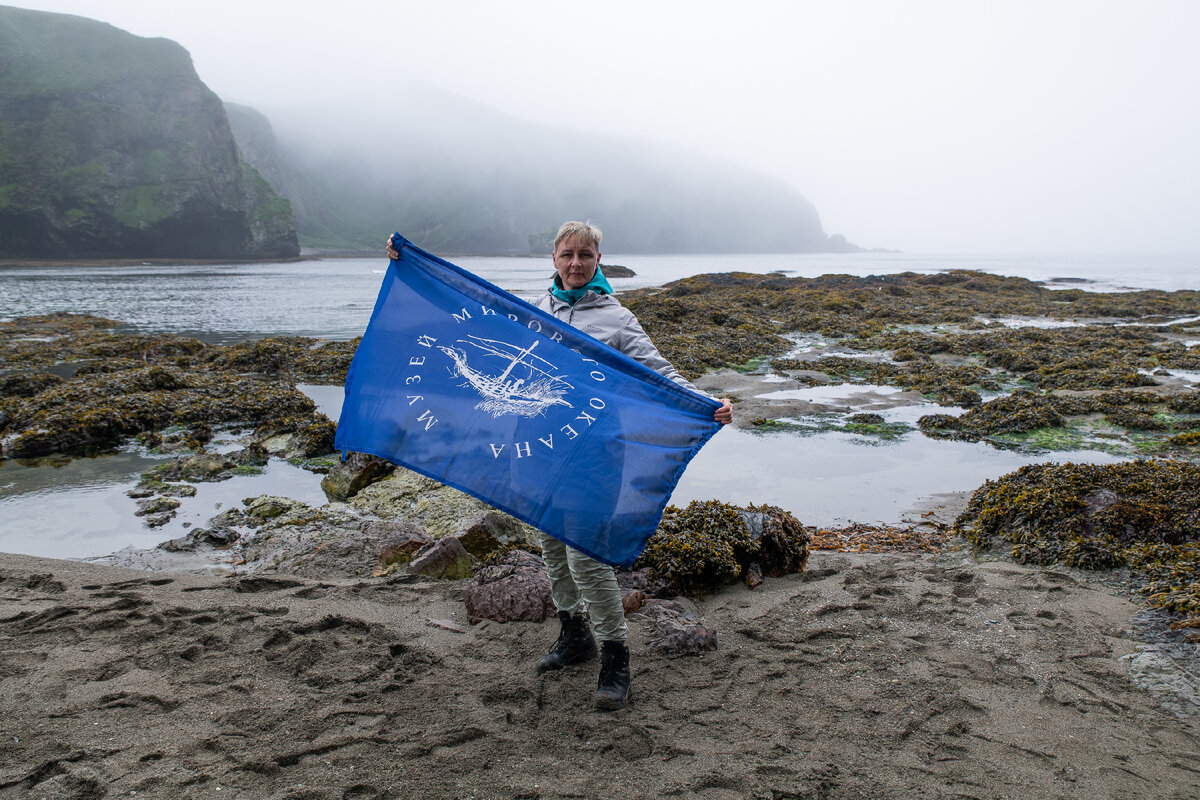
<point>1144,515</point>
<point>100,409</point>
<point>27,384</point>
<point>1018,412</point>
<point>295,357</point>
<point>710,544</point>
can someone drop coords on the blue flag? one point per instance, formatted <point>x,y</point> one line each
<point>462,382</point>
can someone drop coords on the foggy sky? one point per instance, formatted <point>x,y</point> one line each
<point>931,126</point>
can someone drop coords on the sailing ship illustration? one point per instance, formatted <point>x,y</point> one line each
<point>516,382</point>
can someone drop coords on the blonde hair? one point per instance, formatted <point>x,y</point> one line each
<point>585,229</point>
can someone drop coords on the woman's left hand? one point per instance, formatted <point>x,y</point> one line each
<point>724,414</point>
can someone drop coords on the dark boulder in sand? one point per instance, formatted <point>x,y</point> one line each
<point>514,589</point>
<point>674,627</point>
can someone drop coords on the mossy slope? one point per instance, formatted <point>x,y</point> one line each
<point>111,147</point>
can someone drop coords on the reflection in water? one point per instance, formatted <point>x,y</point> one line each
<point>833,478</point>
<point>80,509</point>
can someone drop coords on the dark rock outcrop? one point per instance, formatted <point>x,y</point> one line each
<point>514,589</point>
<point>350,476</point>
<point>445,559</point>
<point>487,532</point>
<point>112,147</point>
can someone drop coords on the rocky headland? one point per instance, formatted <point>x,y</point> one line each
<point>112,147</point>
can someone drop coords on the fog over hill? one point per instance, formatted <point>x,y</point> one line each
<point>458,177</point>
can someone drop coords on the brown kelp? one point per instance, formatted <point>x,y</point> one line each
<point>1141,515</point>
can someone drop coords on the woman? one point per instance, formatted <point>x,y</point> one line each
<point>580,586</point>
<point>582,297</point>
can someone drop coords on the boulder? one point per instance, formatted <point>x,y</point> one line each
<point>156,505</point>
<point>514,589</point>
<point>397,542</point>
<point>782,544</point>
<point>632,599</point>
<point>446,559</point>
<point>216,537</point>
<point>674,627</point>
<point>349,477</point>
<point>485,533</point>
<point>266,506</point>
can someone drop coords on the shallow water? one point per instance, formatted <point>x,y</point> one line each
<point>80,509</point>
<point>834,478</point>
<point>333,298</point>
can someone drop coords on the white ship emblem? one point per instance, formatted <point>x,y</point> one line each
<point>525,386</point>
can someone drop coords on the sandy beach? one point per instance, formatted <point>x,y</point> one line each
<point>867,676</point>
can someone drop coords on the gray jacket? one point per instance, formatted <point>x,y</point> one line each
<point>602,317</point>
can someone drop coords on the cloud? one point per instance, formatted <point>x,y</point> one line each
<point>932,125</point>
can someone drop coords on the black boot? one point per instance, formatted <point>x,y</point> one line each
<point>613,689</point>
<point>575,643</point>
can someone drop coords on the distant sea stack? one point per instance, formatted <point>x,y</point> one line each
<point>112,147</point>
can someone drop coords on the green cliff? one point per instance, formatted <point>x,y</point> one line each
<point>112,147</point>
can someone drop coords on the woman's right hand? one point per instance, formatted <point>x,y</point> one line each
<point>393,254</point>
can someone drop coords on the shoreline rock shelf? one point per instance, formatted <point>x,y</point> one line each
<point>1116,379</point>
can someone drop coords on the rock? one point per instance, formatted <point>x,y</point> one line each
<point>265,507</point>
<point>200,467</point>
<point>149,486</point>
<point>515,589</point>
<point>446,559</point>
<point>324,542</point>
<point>397,542</point>
<point>439,509</point>
<point>358,471</point>
<point>617,271</point>
<point>675,628</point>
<point>485,533</point>
<point>26,384</point>
<point>782,543</point>
<point>201,538</point>
<point>156,505</point>
<point>632,599</point>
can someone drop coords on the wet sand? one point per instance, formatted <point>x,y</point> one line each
<point>869,676</point>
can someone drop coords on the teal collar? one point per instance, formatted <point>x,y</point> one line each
<point>598,284</point>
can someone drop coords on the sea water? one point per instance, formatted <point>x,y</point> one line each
<point>79,508</point>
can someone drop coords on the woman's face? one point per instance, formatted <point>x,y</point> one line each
<point>576,260</point>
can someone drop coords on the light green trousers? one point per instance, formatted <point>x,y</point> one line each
<point>580,584</point>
